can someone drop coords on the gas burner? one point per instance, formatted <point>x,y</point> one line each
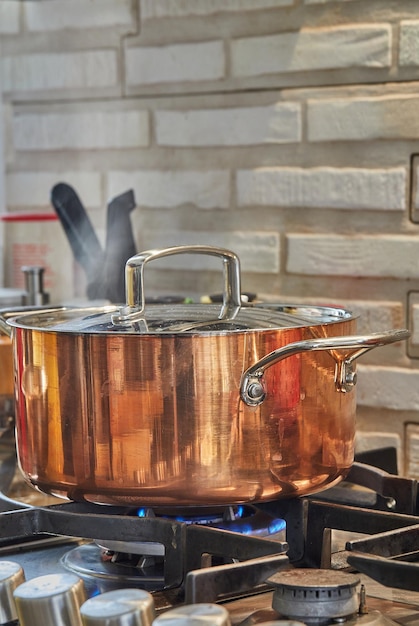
<point>91,563</point>
<point>110,563</point>
<point>315,596</point>
<point>243,519</point>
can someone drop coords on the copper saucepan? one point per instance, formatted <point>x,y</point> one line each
<point>186,404</point>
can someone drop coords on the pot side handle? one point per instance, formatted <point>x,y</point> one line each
<point>134,281</point>
<point>252,388</point>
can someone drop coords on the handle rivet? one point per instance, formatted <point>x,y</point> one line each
<point>351,378</point>
<point>255,391</point>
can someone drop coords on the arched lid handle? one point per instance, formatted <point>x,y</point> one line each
<point>133,311</point>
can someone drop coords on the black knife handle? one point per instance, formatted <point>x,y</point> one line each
<point>84,243</point>
<point>120,244</point>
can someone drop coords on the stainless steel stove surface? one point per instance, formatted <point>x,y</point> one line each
<point>346,555</point>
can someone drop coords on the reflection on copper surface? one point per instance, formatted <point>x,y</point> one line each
<point>34,381</point>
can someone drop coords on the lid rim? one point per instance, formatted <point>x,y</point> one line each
<point>182,320</point>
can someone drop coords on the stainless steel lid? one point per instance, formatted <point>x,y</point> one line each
<point>189,319</point>
<point>136,317</point>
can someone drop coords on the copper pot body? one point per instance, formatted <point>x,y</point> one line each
<point>6,367</point>
<point>158,420</point>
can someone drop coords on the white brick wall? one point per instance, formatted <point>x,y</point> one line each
<point>309,49</point>
<point>280,123</point>
<point>378,316</point>
<point>323,1</point>
<point>77,70</point>
<point>394,388</point>
<point>206,190</point>
<point>181,8</point>
<point>409,44</point>
<point>363,119</point>
<point>32,189</point>
<point>78,14</point>
<point>2,178</point>
<point>412,450</point>
<point>182,62</point>
<point>9,17</point>
<point>323,187</point>
<point>81,131</point>
<point>394,256</point>
<point>258,251</point>
<point>365,441</point>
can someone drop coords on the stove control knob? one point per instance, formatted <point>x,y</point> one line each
<point>121,607</point>
<point>193,614</point>
<point>284,622</point>
<point>11,576</point>
<point>52,600</point>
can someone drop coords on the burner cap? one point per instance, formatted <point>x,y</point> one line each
<point>315,596</point>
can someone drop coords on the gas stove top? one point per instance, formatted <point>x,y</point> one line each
<point>347,555</point>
